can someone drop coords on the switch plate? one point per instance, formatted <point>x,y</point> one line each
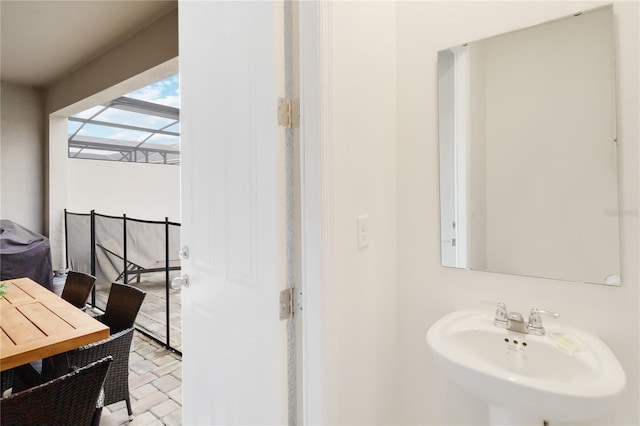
<point>363,231</point>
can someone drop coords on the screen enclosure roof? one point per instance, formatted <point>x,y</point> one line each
<point>129,129</point>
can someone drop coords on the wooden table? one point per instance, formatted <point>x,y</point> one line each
<point>37,324</point>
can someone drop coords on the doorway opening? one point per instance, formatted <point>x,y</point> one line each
<point>122,217</point>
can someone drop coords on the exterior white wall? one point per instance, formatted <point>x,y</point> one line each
<point>427,291</point>
<point>22,156</point>
<point>363,344</point>
<point>141,191</point>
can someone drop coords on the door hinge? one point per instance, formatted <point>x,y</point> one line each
<point>286,112</point>
<point>290,303</point>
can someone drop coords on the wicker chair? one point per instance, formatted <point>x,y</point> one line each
<point>77,288</point>
<point>116,385</point>
<point>68,400</point>
<point>122,308</point>
<point>6,380</point>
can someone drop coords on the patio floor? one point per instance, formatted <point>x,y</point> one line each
<point>155,373</point>
<point>155,386</point>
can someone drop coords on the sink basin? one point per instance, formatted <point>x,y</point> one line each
<point>567,375</point>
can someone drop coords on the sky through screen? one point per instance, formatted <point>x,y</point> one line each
<point>141,126</point>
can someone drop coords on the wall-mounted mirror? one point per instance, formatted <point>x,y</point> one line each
<point>528,158</point>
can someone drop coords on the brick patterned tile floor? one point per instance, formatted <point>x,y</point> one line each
<point>155,385</point>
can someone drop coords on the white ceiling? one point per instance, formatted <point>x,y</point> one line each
<point>42,41</point>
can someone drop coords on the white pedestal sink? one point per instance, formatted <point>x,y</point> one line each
<point>566,376</point>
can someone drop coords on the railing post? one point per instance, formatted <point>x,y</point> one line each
<point>66,241</point>
<point>93,255</point>
<point>124,248</point>
<point>166,273</point>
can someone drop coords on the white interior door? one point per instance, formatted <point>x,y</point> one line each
<point>234,363</point>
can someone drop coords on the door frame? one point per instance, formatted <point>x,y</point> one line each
<point>317,228</point>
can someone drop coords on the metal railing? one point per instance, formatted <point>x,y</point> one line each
<point>119,249</point>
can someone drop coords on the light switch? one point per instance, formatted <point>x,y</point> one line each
<point>363,231</point>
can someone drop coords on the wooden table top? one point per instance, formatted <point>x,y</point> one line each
<point>37,324</point>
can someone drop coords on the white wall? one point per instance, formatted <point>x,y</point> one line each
<point>141,191</point>
<point>426,291</point>
<point>362,347</point>
<point>22,159</point>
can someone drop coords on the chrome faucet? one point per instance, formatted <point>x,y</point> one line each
<point>500,319</point>
<point>535,322</point>
<point>513,321</point>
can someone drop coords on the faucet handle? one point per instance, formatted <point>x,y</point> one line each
<point>501,312</point>
<point>535,322</point>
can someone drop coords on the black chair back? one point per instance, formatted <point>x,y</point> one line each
<point>122,308</point>
<point>68,400</point>
<point>77,288</point>
<point>118,345</point>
